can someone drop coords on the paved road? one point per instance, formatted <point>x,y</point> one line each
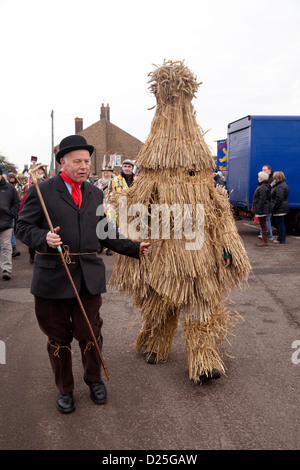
<point>256,406</point>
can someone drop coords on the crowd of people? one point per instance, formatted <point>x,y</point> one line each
<point>9,209</point>
<point>270,202</point>
<point>109,183</point>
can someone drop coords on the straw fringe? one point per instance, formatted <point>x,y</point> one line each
<point>203,341</point>
<point>157,336</point>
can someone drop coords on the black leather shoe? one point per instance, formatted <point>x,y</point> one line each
<point>6,275</point>
<point>97,391</point>
<point>65,403</point>
<point>214,374</point>
<point>15,252</point>
<point>152,358</point>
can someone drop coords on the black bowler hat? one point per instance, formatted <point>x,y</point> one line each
<point>70,143</point>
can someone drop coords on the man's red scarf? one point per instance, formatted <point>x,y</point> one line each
<point>75,191</point>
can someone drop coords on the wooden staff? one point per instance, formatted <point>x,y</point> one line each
<point>32,172</point>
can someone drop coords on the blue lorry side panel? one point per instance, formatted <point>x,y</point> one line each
<point>238,147</point>
<point>255,141</point>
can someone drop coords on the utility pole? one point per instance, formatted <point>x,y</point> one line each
<point>52,145</point>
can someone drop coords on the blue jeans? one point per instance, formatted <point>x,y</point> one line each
<point>269,226</point>
<point>13,238</point>
<point>279,219</point>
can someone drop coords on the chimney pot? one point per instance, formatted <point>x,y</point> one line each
<point>105,112</point>
<point>78,125</point>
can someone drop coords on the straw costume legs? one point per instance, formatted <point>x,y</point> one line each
<point>157,337</point>
<point>201,340</point>
<point>61,320</point>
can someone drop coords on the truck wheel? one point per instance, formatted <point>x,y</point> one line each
<point>298,224</point>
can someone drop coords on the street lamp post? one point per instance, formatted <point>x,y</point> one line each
<point>52,145</point>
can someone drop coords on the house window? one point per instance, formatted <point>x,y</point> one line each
<point>116,159</point>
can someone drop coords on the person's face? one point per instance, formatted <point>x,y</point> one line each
<point>77,165</point>
<point>106,175</point>
<point>265,169</point>
<point>127,168</point>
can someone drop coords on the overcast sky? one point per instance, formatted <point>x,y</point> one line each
<point>71,56</point>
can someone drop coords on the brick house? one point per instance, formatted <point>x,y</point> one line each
<point>109,140</point>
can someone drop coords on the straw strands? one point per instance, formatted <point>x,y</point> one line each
<point>179,277</point>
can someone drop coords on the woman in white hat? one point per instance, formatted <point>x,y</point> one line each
<point>261,205</point>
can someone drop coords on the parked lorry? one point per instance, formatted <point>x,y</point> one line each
<point>254,141</point>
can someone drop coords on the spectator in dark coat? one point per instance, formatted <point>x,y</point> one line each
<point>218,177</point>
<point>279,205</point>
<point>267,169</point>
<point>9,208</point>
<point>261,205</point>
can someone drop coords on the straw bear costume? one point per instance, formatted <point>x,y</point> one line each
<point>176,168</point>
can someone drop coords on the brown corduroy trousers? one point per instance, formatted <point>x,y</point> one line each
<point>62,320</point>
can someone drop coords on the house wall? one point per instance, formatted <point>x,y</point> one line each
<point>107,138</point>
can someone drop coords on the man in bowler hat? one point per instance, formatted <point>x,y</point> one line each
<point>72,204</point>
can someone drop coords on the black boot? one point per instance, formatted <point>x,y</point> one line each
<point>65,403</point>
<point>97,391</point>
<point>6,275</point>
<point>15,252</point>
<point>152,358</point>
<point>214,374</point>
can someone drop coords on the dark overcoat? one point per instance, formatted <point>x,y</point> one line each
<point>77,231</point>
<point>279,198</point>
<point>261,199</point>
<point>9,204</point>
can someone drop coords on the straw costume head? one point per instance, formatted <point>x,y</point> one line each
<point>179,278</point>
